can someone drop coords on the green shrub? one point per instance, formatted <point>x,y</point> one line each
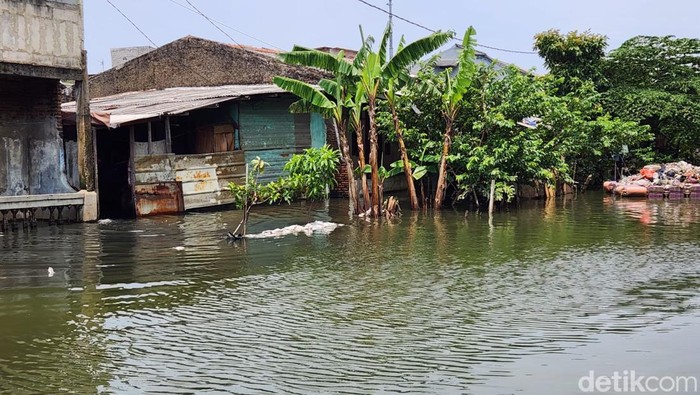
<point>311,174</point>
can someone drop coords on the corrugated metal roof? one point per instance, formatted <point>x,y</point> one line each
<point>123,108</point>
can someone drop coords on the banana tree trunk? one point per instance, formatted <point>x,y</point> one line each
<point>373,148</point>
<point>442,172</point>
<point>345,149</point>
<point>415,204</point>
<point>361,158</point>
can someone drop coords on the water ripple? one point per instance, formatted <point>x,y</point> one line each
<point>423,305</point>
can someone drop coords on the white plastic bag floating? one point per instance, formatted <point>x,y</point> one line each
<point>309,229</point>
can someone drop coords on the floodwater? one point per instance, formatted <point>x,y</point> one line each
<point>526,304</point>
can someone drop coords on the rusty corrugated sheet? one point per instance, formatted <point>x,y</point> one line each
<point>205,177</point>
<point>159,198</point>
<point>128,107</point>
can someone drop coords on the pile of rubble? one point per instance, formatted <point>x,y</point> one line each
<point>669,179</point>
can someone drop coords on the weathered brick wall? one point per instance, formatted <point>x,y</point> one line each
<point>30,137</point>
<point>341,188</point>
<point>192,61</point>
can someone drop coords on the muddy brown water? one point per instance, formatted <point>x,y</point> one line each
<point>526,304</point>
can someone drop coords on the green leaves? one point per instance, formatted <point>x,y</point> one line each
<point>321,60</point>
<point>414,51</point>
<point>655,81</point>
<point>466,69</point>
<point>307,92</point>
<point>576,57</point>
<point>257,165</point>
<point>314,171</point>
<point>311,174</point>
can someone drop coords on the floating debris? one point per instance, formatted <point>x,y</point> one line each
<point>51,272</point>
<point>319,227</point>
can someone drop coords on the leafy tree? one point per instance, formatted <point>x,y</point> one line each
<point>394,79</point>
<point>355,111</point>
<point>656,81</point>
<point>573,132</point>
<point>418,110</point>
<point>575,57</point>
<point>355,84</point>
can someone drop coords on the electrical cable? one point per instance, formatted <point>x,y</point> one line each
<point>433,30</point>
<point>227,26</point>
<point>132,23</point>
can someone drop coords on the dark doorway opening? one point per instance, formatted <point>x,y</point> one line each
<point>113,157</point>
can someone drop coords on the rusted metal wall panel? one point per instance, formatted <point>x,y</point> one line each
<point>159,198</point>
<point>203,178</point>
<point>153,169</point>
<point>198,180</point>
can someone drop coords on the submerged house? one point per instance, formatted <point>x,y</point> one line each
<point>41,44</point>
<point>177,124</point>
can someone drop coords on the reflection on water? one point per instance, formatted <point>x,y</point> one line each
<point>433,304</point>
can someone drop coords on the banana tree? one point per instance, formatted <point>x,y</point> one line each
<point>355,115</point>
<point>343,89</point>
<point>313,98</point>
<point>381,75</point>
<point>451,100</point>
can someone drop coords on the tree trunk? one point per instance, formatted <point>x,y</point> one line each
<point>361,158</point>
<point>415,204</point>
<point>492,196</point>
<point>345,150</point>
<point>442,172</point>
<point>373,145</point>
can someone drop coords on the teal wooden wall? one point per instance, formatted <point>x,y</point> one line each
<point>270,131</point>
<point>318,131</point>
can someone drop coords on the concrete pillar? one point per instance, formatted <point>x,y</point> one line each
<point>86,144</point>
<point>89,210</point>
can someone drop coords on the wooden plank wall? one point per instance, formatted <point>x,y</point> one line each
<point>270,131</point>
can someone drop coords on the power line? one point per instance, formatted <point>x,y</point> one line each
<point>212,22</point>
<point>132,22</point>
<point>392,14</point>
<point>241,46</point>
<point>507,50</point>
<point>227,26</point>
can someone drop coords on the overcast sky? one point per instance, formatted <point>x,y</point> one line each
<point>507,24</point>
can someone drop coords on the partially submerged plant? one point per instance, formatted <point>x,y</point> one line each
<point>311,175</point>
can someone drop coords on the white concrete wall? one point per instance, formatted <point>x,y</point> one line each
<point>41,32</point>
<point>123,55</point>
